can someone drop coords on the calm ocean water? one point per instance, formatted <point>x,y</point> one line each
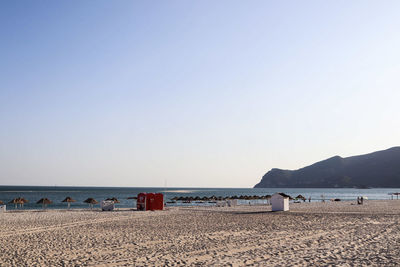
<point>58,193</point>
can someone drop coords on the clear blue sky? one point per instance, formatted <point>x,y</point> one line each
<point>192,93</point>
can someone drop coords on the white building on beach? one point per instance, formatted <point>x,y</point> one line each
<point>2,208</point>
<point>107,205</point>
<point>280,202</point>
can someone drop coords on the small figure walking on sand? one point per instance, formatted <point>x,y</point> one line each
<point>309,199</point>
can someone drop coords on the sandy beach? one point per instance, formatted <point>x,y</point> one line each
<point>314,234</point>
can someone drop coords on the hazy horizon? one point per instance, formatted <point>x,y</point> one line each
<point>166,187</point>
<point>192,94</point>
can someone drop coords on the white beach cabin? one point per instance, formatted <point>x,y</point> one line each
<point>280,202</point>
<point>2,208</point>
<point>107,205</point>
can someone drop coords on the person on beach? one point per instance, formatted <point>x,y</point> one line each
<point>309,199</point>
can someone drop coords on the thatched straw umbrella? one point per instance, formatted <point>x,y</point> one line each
<point>23,201</point>
<point>113,199</point>
<point>19,200</point>
<point>44,202</point>
<point>91,202</point>
<point>300,197</point>
<point>69,200</point>
<point>15,201</point>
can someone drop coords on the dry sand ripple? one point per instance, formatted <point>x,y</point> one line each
<point>310,234</point>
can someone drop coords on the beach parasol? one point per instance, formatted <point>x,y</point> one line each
<point>91,202</point>
<point>301,197</point>
<point>69,200</point>
<point>18,200</point>
<point>131,198</point>
<point>44,202</point>
<point>15,201</point>
<point>113,199</point>
<point>22,201</point>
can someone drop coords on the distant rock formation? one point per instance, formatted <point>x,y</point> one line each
<point>378,169</point>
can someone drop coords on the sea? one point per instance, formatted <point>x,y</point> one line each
<point>59,193</point>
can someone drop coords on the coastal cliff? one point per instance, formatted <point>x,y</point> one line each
<point>377,169</point>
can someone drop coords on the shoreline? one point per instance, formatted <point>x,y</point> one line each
<point>96,208</point>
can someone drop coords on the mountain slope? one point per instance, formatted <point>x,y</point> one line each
<point>378,169</point>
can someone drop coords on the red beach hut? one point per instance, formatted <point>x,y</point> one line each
<point>150,201</point>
